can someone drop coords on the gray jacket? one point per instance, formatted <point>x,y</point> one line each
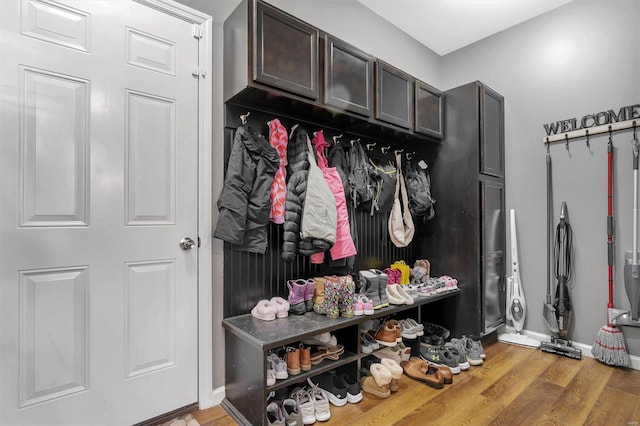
<point>244,202</point>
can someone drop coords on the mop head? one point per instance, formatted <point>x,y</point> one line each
<point>610,348</point>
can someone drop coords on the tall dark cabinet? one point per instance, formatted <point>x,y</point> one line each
<point>467,238</point>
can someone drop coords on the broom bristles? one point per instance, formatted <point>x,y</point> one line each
<point>609,347</point>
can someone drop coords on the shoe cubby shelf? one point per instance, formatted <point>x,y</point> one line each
<point>326,365</point>
<point>267,335</point>
<point>248,341</point>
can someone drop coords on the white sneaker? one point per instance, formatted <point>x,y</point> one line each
<point>280,367</point>
<point>271,373</point>
<point>320,403</point>
<point>407,331</point>
<point>419,328</point>
<point>305,402</point>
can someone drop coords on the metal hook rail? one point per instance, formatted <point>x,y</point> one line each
<point>591,131</point>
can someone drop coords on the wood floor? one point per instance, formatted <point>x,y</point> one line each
<point>515,386</point>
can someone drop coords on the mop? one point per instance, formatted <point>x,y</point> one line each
<point>562,254</point>
<point>516,304</point>
<point>609,346</point>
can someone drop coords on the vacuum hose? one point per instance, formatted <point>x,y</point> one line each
<point>562,271</point>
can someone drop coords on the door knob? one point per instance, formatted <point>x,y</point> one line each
<point>187,243</point>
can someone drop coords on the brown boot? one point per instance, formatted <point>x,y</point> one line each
<point>396,373</point>
<point>292,358</point>
<point>318,294</point>
<point>378,383</point>
<point>305,357</point>
<point>395,324</point>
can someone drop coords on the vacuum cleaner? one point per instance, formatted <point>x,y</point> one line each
<point>632,265</point>
<point>560,343</point>
<point>516,304</point>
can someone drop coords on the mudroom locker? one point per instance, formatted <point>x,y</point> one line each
<point>291,71</point>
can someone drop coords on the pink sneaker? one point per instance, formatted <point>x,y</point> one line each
<point>367,304</point>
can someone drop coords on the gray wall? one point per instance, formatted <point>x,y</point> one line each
<point>576,60</point>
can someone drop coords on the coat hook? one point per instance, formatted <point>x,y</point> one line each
<point>398,151</point>
<point>384,149</point>
<point>547,145</point>
<point>587,133</point>
<point>610,132</point>
<point>634,131</point>
<point>336,139</point>
<point>566,141</point>
<point>409,155</point>
<point>243,118</point>
<point>354,141</point>
<point>371,145</point>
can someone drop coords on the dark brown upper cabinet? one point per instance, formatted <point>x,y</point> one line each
<point>491,132</point>
<point>394,95</point>
<point>429,107</point>
<point>348,77</point>
<point>285,53</point>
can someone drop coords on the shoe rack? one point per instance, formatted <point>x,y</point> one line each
<point>248,341</point>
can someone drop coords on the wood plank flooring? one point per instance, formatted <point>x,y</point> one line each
<point>514,386</point>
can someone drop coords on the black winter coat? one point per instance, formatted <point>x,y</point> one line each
<point>297,155</point>
<point>244,202</point>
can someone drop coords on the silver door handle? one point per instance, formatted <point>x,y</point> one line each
<point>187,243</point>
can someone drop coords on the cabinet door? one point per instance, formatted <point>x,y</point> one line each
<point>348,77</point>
<point>493,247</point>
<point>429,106</point>
<point>491,132</point>
<point>285,52</point>
<point>394,95</point>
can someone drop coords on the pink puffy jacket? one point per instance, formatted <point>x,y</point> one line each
<point>343,246</point>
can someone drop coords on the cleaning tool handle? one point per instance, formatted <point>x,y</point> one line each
<point>635,146</point>
<point>549,219</point>
<point>610,228</point>
<point>635,216</point>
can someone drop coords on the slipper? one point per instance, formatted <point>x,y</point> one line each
<point>318,356</point>
<point>334,352</point>
<point>264,310</point>
<point>281,305</point>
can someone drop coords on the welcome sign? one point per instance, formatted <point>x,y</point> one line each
<point>592,120</point>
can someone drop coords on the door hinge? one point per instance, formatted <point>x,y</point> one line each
<point>198,242</point>
<point>197,30</point>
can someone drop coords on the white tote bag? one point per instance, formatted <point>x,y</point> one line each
<point>401,227</point>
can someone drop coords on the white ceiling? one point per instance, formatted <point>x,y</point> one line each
<point>448,25</point>
<point>441,25</point>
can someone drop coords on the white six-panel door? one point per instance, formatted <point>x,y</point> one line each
<point>98,178</point>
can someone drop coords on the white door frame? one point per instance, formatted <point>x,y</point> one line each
<point>205,308</point>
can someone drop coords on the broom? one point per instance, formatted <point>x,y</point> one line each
<point>609,346</point>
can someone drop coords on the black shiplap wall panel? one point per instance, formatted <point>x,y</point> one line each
<point>250,277</point>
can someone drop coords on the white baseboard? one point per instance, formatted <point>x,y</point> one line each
<point>586,349</point>
<point>217,395</point>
